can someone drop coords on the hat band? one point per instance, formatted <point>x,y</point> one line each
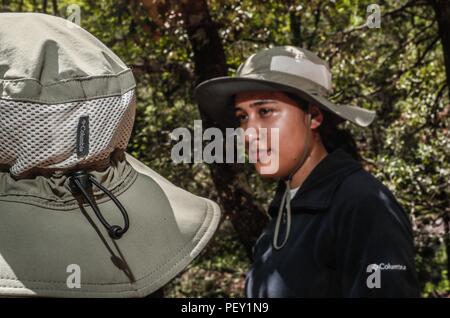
<point>301,67</point>
<point>78,89</point>
<point>293,81</point>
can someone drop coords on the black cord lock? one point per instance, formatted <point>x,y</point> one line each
<point>79,183</point>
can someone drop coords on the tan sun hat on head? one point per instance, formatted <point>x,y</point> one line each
<point>282,68</point>
<point>78,216</point>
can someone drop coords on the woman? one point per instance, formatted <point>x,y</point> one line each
<point>335,231</point>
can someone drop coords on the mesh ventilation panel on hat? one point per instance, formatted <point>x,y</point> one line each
<point>34,135</point>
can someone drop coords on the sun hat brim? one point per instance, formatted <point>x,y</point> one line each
<point>41,244</point>
<point>215,97</point>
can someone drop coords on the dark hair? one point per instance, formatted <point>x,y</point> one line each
<point>332,136</point>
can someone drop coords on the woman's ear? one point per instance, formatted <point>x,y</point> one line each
<point>316,116</point>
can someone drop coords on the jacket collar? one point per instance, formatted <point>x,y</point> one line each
<point>318,188</point>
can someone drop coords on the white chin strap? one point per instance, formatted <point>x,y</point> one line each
<point>286,200</point>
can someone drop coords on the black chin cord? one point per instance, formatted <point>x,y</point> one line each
<point>80,181</point>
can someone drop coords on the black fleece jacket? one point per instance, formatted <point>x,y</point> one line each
<point>349,238</point>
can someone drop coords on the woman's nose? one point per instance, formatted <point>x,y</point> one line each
<point>250,135</point>
<point>251,131</point>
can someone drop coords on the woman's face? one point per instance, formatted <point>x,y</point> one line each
<point>265,109</point>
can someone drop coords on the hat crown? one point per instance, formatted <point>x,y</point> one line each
<point>66,100</point>
<point>48,59</point>
<point>49,49</point>
<point>289,60</point>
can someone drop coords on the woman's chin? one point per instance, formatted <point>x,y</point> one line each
<point>268,172</point>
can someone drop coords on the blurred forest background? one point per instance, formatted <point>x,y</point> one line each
<point>401,70</point>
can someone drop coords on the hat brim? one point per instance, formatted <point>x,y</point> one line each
<point>216,95</point>
<point>169,227</point>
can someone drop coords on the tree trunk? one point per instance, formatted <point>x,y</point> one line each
<point>55,7</point>
<point>295,23</point>
<point>246,215</point>
<point>442,11</point>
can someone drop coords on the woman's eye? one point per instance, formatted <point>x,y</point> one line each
<point>265,111</point>
<point>242,117</point>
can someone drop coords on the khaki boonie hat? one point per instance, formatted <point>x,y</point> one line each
<point>283,68</point>
<point>67,106</point>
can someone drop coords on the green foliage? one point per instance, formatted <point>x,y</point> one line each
<point>219,272</point>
